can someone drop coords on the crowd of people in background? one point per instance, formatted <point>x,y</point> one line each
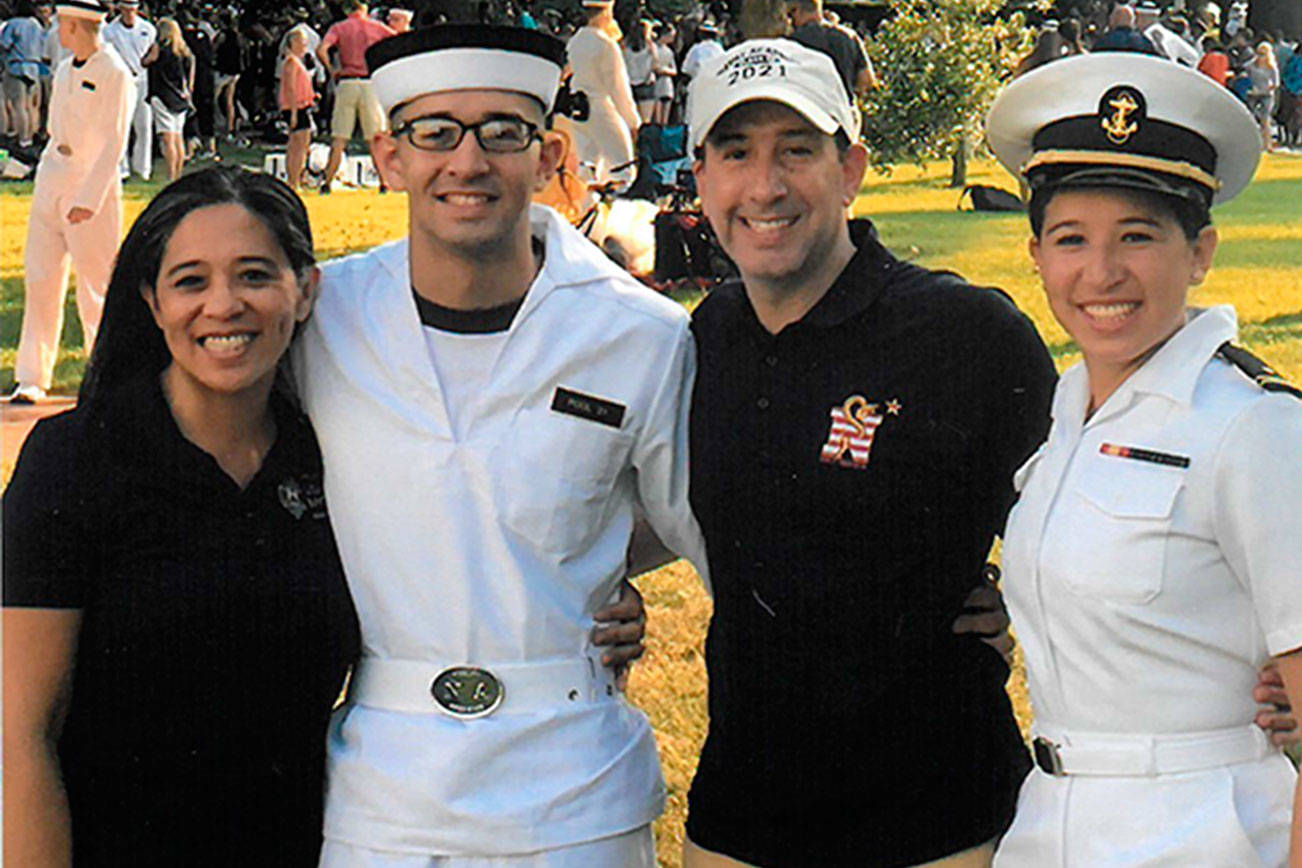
<point>1251,65</point>
<point>216,72</point>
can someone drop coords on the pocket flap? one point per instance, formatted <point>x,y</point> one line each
<point>1132,491</point>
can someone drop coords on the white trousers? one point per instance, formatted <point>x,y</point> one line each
<point>142,124</point>
<point>52,244</point>
<point>635,849</point>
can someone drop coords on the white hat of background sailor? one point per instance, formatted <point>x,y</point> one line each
<point>94,10</point>
<point>779,70</point>
<point>400,13</point>
<point>1123,119</point>
<point>465,57</point>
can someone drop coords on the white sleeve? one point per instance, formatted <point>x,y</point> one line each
<point>113,116</point>
<point>1258,479</point>
<point>660,456</point>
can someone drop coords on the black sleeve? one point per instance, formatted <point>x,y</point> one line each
<point>50,536</point>
<point>1019,422</point>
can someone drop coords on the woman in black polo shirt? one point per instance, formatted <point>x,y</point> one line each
<point>176,624</point>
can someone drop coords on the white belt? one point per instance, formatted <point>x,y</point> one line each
<point>1123,755</point>
<point>413,686</point>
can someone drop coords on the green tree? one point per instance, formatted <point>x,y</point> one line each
<point>940,63</point>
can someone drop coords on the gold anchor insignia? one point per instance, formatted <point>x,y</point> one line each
<point>1118,126</point>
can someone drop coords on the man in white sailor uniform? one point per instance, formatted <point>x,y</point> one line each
<point>495,401</point>
<point>133,36</point>
<point>77,201</point>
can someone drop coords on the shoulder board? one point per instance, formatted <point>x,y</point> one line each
<point>1261,373</point>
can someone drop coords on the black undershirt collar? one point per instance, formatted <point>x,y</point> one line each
<point>479,321</point>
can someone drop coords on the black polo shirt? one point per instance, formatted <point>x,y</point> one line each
<point>216,630</point>
<point>850,474</point>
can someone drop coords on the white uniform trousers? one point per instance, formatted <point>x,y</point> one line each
<point>51,242</point>
<point>635,849</point>
<point>142,124</point>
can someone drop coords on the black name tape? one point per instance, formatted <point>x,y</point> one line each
<point>588,407</point>
<point>89,85</point>
<point>1149,455</point>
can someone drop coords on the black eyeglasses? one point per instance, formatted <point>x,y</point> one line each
<point>500,135</point>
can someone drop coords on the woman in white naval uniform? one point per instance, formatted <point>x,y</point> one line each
<point>605,140</point>
<point>77,200</point>
<point>1153,560</point>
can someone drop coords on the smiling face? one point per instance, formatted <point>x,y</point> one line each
<point>226,300</point>
<point>775,190</point>
<point>467,200</point>
<point>1117,269</point>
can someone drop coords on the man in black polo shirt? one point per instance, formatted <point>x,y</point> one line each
<point>855,426</point>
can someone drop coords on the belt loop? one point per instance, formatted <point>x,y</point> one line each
<point>1151,771</point>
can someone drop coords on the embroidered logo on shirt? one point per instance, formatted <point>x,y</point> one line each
<point>1149,455</point>
<point>588,407</point>
<point>302,496</point>
<point>854,424</point>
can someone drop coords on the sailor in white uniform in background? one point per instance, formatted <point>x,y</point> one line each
<point>77,200</point>
<point>603,142</point>
<point>134,36</point>
<point>495,400</point>
<point>1153,561</point>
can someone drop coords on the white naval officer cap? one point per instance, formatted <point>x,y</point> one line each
<point>93,10</point>
<point>465,57</point>
<point>1123,119</point>
<point>778,70</point>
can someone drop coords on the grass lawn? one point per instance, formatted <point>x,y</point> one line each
<point>1258,269</point>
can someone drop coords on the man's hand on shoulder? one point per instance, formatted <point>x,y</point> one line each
<point>621,627</point>
<point>985,616</point>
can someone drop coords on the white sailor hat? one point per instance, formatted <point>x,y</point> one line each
<point>780,70</point>
<point>1123,119</point>
<point>465,57</point>
<point>95,10</point>
<point>400,13</point>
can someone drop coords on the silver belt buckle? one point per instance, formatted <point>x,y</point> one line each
<point>1047,757</point>
<point>467,692</point>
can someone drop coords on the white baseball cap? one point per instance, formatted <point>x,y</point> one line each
<point>779,70</point>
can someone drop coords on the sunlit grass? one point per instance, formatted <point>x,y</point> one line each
<point>1259,270</point>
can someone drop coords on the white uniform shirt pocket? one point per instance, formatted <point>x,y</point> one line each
<point>1112,531</point>
<point>560,473</point>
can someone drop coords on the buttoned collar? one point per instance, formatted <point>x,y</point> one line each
<point>1172,372</point>
<point>857,286</point>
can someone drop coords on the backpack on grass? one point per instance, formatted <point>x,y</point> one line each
<point>986,198</point>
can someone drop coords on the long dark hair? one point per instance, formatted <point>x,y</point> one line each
<point>129,343</point>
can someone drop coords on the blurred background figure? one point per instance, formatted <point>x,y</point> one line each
<point>638,50</point>
<point>296,100</point>
<point>399,20</point>
<point>133,36</point>
<point>665,69</point>
<point>76,215</point>
<point>354,101</point>
<point>171,82</point>
<point>22,44</point>
<point>604,142</point>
